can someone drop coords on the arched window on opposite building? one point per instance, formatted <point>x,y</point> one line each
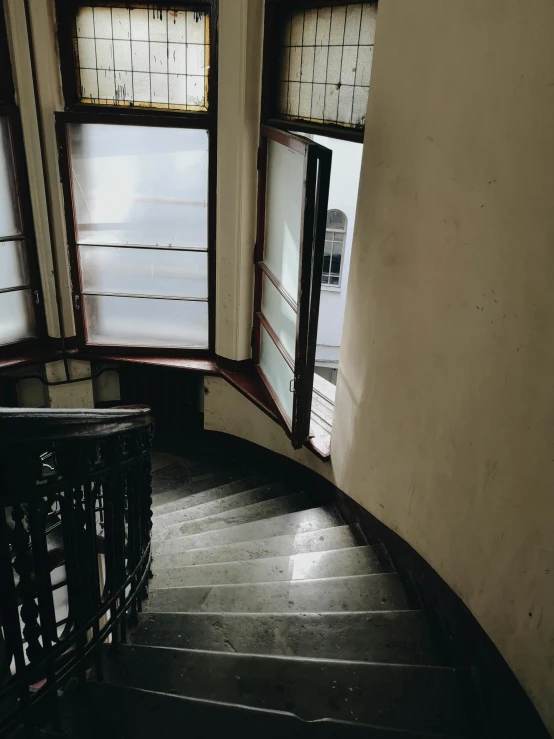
<point>335,236</point>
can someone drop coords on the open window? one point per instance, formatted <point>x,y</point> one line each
<point>137,157</point>
<point>292,213</point>
<point>316,77</point>
<point>22,324</point>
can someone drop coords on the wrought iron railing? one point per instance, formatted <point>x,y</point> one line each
<point>75,521</point>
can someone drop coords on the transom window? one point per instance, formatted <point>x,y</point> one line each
<point>335,236</point>
<point>142,55</point>
<point>321,64</point>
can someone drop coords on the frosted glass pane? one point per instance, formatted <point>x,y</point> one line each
<point>9,214</point>
<point>13,265</point>
<point>279,315</point>
<point>104,54</point>
<point>108,269</point>
<point>148,44</point>
<point>140,185</point>
<point>284,205</point>
<point>146,322</point>
<point>278,373</point>
<point>331,47</point>
<point>16,316</point>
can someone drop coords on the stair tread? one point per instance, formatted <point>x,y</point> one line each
<point>265,509</point>
<point>312,565</point>
<point>288,523</point>
<point>393,696</point>
<point>355,593</point>
<point>336,537</point>
<point>241,499</point>
<point>206,496</point>
<point>400,637</point>
<point>117,712</point>
<point>182,472</point>
<point>174,492</point>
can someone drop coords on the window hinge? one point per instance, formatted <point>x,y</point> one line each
<point>37,297</point>
<point>77,302</point>
<point>254,253</point>
<point>259,157</point>
<point>252,338</point>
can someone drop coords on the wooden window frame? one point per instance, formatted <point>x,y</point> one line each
<point>76,112</point>
<point>274,20</point>
<point>306,303</point>
<point>10,111</point>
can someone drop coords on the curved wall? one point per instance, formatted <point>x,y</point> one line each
<point>445,400</point>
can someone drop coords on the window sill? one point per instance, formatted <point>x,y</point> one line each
<point>10,362</point>
<point>246,380</point>
<point>331,288</point>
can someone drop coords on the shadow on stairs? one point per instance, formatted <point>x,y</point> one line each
<point>269,616</point>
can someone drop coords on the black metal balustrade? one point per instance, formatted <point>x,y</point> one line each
<point>75,521</point>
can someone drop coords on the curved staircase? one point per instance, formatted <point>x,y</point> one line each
<point>267,615</point>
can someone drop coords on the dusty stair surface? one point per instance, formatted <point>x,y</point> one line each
<point>266,613</point>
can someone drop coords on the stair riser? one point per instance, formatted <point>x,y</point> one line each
<point>338,563</point>
<point>256,512</point>
<point>292,523</point>
<point>222,505</point>
<point>338,537</point>
<point>401,637</point>
<point>363,593</point>
<point>113,712</point>
<point>399,697</point>
<point>165,511</point>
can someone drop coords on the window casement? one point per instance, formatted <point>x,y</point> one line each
<point>315,81</point>
<point>292,210</point>
<point>137,146</point>
<point>335,236</point>
<point>22,321</point>
<point>317,65</point>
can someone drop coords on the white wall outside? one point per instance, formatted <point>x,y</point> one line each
<point>345,176</point>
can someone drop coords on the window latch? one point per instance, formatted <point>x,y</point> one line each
<point>37,297</point>
<point>291,386</point>
<point>77,302</point>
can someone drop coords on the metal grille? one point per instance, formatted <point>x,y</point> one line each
<point>142,55</point>
<point>325,65</point>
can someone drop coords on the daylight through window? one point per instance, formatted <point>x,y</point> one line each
<point>325,65</point>
<point>152,57</point>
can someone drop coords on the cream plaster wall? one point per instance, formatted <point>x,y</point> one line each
<point>444,416</point>
<point>444,424</point>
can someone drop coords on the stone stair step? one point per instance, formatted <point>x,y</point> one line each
<point>390,696</point>
<point>183,472</point>
<point>206,496</point>
<point>211,508</point>
<point>266,509</point>
<point>313,565</point>
<point>115,712</point>
<point>356,593</point>
<point>175,491</point>
<point>399,637</point>
<point>337,537</point>
<point>292,523</point>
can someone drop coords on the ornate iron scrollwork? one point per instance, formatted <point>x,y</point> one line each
<point>75,499</point>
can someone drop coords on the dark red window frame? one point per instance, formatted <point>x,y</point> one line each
<point>306,303</point>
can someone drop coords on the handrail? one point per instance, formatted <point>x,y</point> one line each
<point>23,424</point>
<point>75,492</point>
